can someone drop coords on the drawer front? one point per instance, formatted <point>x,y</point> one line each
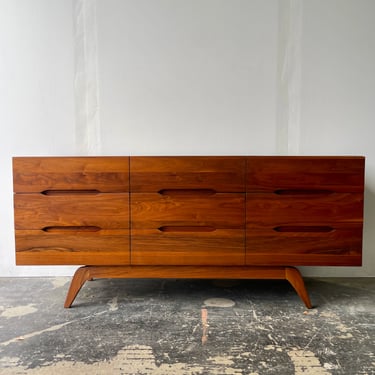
<point>71,210</point>
<point>215,174</point>
<point>217,211</point>
<point>274,210</point>
<point>187,210</point>
<point>39,211</point>
<point>284,173</point>
<point>72,246</point>
<point>304,210</point>
<point>188,246</point>
<point>188,229</point>
<point>305,246</point>
<point>44,174</point>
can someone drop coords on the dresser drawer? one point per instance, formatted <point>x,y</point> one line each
<point>40,211</point>
<point>71,210</point>
<point>341,245</point>
<point>95,174</point>
<point>72,246</point>
<point>278,210</point>
<point>188,246</point>
<point>282,174</point>
<point>219,210</point>
<point>215,174</point>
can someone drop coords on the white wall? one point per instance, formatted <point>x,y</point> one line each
<point>188,77</point>
<point>185,77</point>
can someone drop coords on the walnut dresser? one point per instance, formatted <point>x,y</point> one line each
<point>234,217</point>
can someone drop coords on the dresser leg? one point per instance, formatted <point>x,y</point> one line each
<point>80,277</point>
<point>87,273</point>
<point>295,278</point>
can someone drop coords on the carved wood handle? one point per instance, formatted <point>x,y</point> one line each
<point>67,229</point>
<point>70,192</point>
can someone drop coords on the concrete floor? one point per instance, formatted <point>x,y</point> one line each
<point>187,327</point>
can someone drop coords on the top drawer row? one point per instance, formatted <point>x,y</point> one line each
<point>215,173</point>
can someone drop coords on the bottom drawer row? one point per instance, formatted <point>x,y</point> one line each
<point>340,246</point>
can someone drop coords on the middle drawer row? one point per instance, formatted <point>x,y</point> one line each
<point>180,211</point>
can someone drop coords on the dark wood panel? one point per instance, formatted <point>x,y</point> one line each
<point>222,173</point>
<point>220,247</point>
<point>38,211</point>
<point>222,210</point>
<point>272,173</point>
<point>38,174</point>
<point>265,209</point>
<point>105,247</point>
<point>341,246</point>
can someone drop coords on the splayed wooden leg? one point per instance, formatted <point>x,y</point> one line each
<point>296,280</point>
<point>80,277</point>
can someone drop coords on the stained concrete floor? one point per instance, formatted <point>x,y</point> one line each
<point>186,327</point>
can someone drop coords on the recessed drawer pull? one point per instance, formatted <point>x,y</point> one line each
<point>303,192</point>
<point>67,229</point>
<point>175,228</point>
<point>175,192</point>
<point>304,228</point>
<point>70,192</point>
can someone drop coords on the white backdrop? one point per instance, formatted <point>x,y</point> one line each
<point>186,77</point>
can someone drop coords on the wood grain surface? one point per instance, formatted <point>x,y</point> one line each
<point>38,174</point>
<point>220,173</point>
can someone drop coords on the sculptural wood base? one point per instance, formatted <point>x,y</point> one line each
<point>86,273</point>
